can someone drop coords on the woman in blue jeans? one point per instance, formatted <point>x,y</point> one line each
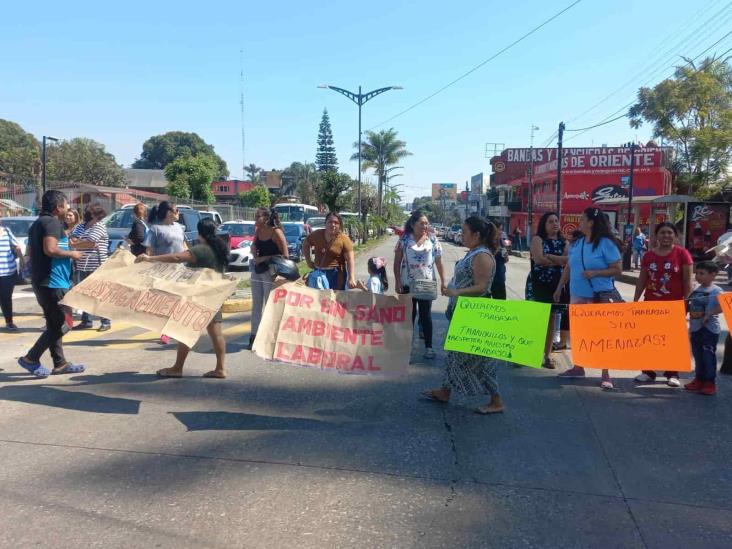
<point>594,262</point>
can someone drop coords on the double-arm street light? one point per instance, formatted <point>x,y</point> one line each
<point>359,98</point>
<point>43,158</point>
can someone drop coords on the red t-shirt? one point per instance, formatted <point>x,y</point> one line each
<point>665,280</point>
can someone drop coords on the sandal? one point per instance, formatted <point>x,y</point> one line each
<point>213,374</point>
<point>430,396</point>
<point>485,411</point>
<point>165,372</point>
<point>30,366</point>
<point>68,368</point>
<point>549,364</point>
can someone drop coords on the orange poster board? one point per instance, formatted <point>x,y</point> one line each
<point>725,301</point>
<point>648,335</point>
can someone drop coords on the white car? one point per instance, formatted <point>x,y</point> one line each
<point>19,227</point>
<point>389,231</point>
<point>241,256</point>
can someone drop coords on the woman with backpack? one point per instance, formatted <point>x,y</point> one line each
<point>417,261</point>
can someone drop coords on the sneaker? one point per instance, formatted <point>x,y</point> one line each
<point>10,327</point>
<point>695,385</point>
<point>83,326</point>
<point>673,382</point>
<point>430,353</point>
<point>709,389</point>
<point>644,378</point>
<point>574,372</point>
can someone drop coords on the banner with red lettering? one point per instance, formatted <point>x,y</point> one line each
<point>351,332</point>
<point>168,298</point>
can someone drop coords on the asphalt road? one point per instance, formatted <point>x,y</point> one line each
<point>281,456</point>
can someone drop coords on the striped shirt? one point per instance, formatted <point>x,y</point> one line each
<point>92,258</point>
<point>8,262</point>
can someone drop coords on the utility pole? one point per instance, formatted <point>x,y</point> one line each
<point>241,106</point>
<point>559,171</point>
<point>628,229</point>
<point>530,208</point>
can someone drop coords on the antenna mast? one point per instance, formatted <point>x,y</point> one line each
<point>241,104</point>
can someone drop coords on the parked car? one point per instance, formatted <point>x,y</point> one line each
<point>458,238</point>
<point>240,231</point>
<point>216,216</point>
<point>19,227</point>
<point>452,233</point>
<point>389,231</point>
<point>295,233</point>
<point>241,256</point>
<point>316,223</point>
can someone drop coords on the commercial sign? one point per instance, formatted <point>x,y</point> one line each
<point>446,191</point>
<point>706,222</point>
<point>477,187</point>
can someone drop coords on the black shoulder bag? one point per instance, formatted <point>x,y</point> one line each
<point>605,296</point>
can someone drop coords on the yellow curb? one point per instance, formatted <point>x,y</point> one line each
<point>236,305</point>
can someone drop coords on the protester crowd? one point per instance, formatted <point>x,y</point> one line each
<point>65,248</point>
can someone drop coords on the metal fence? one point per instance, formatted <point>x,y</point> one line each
<point>21,196</point>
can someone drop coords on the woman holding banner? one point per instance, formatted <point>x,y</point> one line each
<point>548,258</point>
<point>418,257</point>
<point>594,262</point>
<point>334,257</point>
<point>208,253</point>
<point>665,275</point>
<point>468,374</point>
<point>269,241</point>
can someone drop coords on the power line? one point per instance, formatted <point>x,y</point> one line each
<point>491,58</point>
<point>596,125</point>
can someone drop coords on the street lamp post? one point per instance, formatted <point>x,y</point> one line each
<point>43,158</point>
<point>530,207</point>
<point>359,98</point>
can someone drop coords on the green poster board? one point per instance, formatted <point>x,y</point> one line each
<point>508,330</point>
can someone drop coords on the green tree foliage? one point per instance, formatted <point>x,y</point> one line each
<point>325,157</point>
<point>693,112</point>
<point>194,174</point>
<point>332,190</point>
<point>19,151</point>
<point>161,150</point>
<point>301,179</point>
<point>83,160</point>
<point>379,151</point>
<point>258,197</point>
<point>253,173</point>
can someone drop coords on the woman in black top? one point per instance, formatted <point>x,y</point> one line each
<point>548,258</point>
<point>269,240</point>
<point>138,231</point>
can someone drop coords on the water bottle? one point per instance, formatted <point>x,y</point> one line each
<point>557,327</point>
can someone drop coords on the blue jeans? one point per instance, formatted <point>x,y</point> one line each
<point>704,350</point>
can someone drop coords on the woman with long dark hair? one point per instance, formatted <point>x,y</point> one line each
<point>139,229</point>
<point>665,275</point>
<point>594,262</point>
<point>468,374</point>
<point>165,235</point>
<point>418,256</point>
<point>548,258</point>
<point>269,241</point>
<point>209,253</point>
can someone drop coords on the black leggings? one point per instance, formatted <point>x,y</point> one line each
<point>425,318</point>
<point>7,285</point>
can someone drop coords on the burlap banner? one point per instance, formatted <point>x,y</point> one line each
<point>165,297</point>
<point>351,332</point>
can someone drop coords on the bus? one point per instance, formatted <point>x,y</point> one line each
<point>295,212</point>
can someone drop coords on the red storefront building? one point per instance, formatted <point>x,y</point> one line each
<point>588,175</point>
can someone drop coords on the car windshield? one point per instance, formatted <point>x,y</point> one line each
<point>189,219</point>
<point>19,227</point>
<point>239,229</point>
<point>121,219</point>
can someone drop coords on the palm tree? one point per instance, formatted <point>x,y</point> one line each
<point>378,152</point>
<point>300,178</point>
<point>253,172</point>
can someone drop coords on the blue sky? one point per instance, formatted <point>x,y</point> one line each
<point>119,72</point>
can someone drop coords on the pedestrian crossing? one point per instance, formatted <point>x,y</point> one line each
<point>121,336</point>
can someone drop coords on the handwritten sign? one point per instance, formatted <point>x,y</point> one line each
<point>725,301</point>
<point>508,330</point>
<point>631,336</point>
<point>166,297</point>
<point>347,332</point>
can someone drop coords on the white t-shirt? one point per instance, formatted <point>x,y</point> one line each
<point>419,259</point>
